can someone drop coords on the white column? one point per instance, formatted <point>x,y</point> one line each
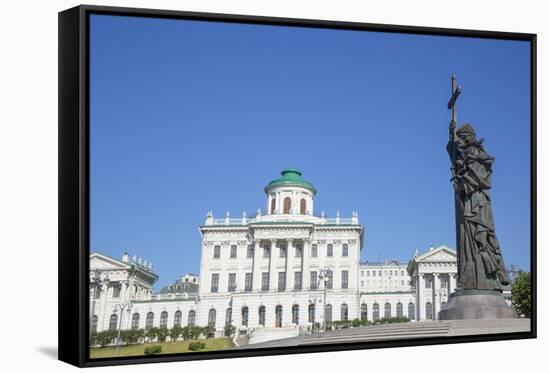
<point>102,303</point>
<point>256,271</point>
<point>306,253</point>
<point>288,267</point>
<point>273,275</point>
<point>452,280</point>
<point>421,311</point>
<point>436,295</point>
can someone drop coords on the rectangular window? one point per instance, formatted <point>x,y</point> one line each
<point>314,250</point>
<point>362,283</point>
<point>297,280</point>
<point>282,252</point>
<point>250,251</point>
<point>116,291</point>
<point>248,281</point>
<point>344,279</point>
<point>362,273</point>
<point>232,282</point>
<point>379,273</point>
<point>373,273</point>
<point>265,280</point>
<point>402,273</point>
<point>298,251</point>
<point>345,249</point>
<point>214,283</point>
<point>330,249</point>
<point>368,273</point>
<point>267,250</point>
<point>217,250</point>
<point>233,251</point>
<point>282,281</point>
<point>313,280</point>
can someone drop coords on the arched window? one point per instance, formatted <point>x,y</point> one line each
<point>177,318</point>
<point>228,316</point>
<point>344,312</point>
<point>212,317</point>
<point>191,318</point>
<point>295,314</point>
<point>286,206</point>
<point>429,311</point>
<point>273,205</point>
<point>113,321</point>
<point>278,316</point>
<point>399,310</point>
<point>261,315</point>
<point>135,321</point>
<point>387,310</point>
<point>94,324</point>
<point>164,319</point>
<point>364,312</point>
<point>244,315</point>
<point>311,313</point>
<point>149,320</point>
<point>411,311</point>
<point>303,206</point>
<point>328,316</point>
<point>375,311</point>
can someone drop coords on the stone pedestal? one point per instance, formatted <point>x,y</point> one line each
<point>476,304</point>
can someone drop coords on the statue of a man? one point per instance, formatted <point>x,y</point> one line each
<point>480,263</point>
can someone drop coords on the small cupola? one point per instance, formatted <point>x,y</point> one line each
<point>290,194</point>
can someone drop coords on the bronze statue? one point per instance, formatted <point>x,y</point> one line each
<point>480,263</point>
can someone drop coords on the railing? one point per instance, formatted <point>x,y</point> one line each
<point>244,220</point>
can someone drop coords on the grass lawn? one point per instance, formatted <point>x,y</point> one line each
<point>167,348</point>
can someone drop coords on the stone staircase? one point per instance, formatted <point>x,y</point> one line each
<point>380,332</point>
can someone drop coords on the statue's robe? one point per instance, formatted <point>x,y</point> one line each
<point>480,262</point>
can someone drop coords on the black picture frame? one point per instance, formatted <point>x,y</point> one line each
<point>74,236</point>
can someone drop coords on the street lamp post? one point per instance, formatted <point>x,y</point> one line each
<point>122,306</point>
<point>324,275</point>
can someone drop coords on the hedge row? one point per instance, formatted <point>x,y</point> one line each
<point>133,336</point>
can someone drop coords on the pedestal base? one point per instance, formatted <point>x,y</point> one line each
<point>476,304</point>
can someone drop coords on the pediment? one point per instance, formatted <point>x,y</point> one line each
<point>100,261</point>
<point>440,254</point>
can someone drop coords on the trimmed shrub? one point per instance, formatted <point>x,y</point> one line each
<point>196,331</point>
<point>196,346</point>
<point>356,323</point>
<point>152,350</point>
<point>175,332</point>
<point>229,330</point>
<point>151,334</point>
<point>186,332</point>
<point>208,331</point>
<point>162,333</point>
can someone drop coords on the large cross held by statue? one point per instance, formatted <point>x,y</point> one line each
<point>456,90</point>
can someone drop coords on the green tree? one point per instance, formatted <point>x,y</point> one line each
<point>175,332</point>
<point>196,332</point>
<point>151,334</point>
<point>208,331</point>
<point>162,333</point>
<point>229,330</point>
<point>521,294</point>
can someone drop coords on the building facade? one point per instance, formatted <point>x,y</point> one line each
<point>273,275</point>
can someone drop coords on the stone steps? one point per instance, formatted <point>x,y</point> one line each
<point>380,332</point>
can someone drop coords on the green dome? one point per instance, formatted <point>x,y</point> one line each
<point>290,177</point>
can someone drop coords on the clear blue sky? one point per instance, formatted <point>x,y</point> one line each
<point>188,117</point>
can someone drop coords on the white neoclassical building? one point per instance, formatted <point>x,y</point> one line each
<point>273,275</point>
